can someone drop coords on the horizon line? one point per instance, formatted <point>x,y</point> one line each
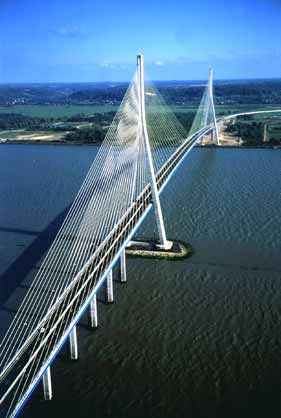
<point>128,81</point>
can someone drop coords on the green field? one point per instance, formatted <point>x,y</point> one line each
<point>57,111</point>
<point>61,111</point>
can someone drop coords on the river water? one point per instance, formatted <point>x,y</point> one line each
<point>200,337</point>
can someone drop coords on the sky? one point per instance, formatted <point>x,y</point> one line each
<point>97,40</point>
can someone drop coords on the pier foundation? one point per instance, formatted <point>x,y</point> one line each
<point>47,385</point>
<point>109,288</point>
<point>73,346</point>
<point>123,272</point>
<point>93,313</point>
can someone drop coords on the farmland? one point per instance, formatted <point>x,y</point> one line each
<point>82,113</point>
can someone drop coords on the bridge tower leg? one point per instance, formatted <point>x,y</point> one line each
<point>123,272</point>
<point>155,194</point>
<point>73,346</point>
<point>215,132</point>
<point>109,288</point>
<point>47,385</point>
<point>94,312</point>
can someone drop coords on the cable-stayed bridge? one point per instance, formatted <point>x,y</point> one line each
<point>142,149</point>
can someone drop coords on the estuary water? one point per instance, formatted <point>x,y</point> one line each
<point>200,337</point>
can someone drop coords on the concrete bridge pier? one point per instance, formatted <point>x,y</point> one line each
<point>47,385</point>
<point>93,313</point>
<point>73,346</point>
<point>123,271</point>
<point>109,288</point>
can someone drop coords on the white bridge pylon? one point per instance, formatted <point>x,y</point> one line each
<point>155,195</point>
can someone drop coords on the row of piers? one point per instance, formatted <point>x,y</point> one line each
<point>93,321</point>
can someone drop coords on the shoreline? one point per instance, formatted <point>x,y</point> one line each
<point>65,143</point>
<point>42,142</point>
<point>240,147</point>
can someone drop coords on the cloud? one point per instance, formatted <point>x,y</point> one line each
<point>159,63</point>
<point>106,64</point>
<point>68,31</point>
<point>112,65</point>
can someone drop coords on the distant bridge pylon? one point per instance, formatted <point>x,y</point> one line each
<point>207,107</point>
